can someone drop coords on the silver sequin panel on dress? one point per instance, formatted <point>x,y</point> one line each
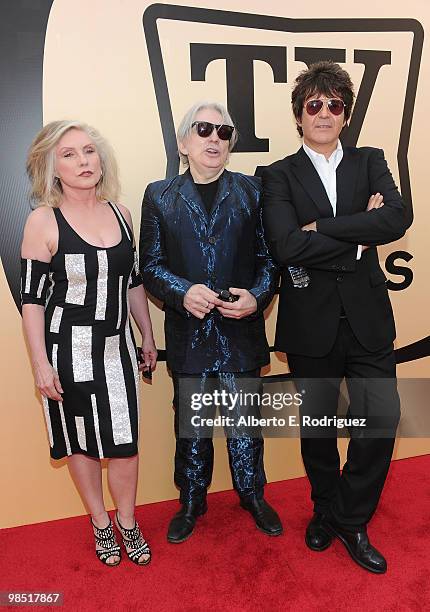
<point>133,359</point>
<point>28,277</point>
<point>40,287</point>
<point>60,404</point>
<point>101,285</point>
<point>118,323</point>
<point>50,288</point>
<point>82,362</point>
<point>117,392</point>
<point>54,359</point>
<point>56,320</point>
<point>136,262</point>
<point>64,426</point>
<point>76,278</point>
<point>80,430</point>
<point>96,425</point>
<point>48,420</point>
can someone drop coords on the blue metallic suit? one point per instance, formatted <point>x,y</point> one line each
<point>181,245</point>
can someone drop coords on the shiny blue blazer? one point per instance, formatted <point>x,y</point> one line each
<point>181,244</point>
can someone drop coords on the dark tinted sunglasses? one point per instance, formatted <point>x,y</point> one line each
<point>205,129</point>
<point>334,105</point>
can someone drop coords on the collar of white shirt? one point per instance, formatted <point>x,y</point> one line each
<point>326,169</point>
<point>319,159</point>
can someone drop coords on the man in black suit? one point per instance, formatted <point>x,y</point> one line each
<point>325,210</point>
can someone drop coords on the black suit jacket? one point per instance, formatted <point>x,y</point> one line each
<point>293,196</point>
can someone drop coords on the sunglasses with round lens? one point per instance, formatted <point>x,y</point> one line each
<point>334,105</point>
<point>205,129</point>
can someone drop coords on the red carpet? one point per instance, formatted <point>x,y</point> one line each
<point>228,564</point>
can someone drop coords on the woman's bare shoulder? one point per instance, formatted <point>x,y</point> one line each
<point>40,234</point>
<point>40,217</point>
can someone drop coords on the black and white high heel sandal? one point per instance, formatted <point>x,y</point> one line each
<point>105,538</point>
<point>135,544</point>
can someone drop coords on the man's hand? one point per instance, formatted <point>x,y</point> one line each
<point>243,307</point>
<point>375,201</point>
<point>310,227</point>
<point>199,300</point>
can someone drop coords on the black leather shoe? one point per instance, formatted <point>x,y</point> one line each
<point>317,537</point>
<point>265,517</point>
<point>360,549</point>
<point>182,524</point>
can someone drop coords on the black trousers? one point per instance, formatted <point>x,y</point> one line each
<point>194,448</point>
<point>351,497</point>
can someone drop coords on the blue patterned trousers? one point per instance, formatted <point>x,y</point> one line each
<point>194,447</point>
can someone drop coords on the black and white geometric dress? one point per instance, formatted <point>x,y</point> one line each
<point>89,341</point>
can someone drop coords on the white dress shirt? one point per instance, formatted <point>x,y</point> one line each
<point>326,169</point>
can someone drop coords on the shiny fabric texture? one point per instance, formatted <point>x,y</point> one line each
<point>194,455</point>
<point>181,244</point>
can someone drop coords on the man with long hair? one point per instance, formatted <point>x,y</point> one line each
<point>326,208</point>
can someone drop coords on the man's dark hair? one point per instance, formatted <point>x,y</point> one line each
<point>324,78</point>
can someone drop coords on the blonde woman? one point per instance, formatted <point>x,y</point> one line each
<point>80,280</point>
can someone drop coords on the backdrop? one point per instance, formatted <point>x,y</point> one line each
<point>132,69</point>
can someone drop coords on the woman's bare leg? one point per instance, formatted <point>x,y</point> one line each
<point>87,475</point>
<point>122,478</point>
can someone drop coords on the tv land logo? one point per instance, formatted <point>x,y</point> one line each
<point>239,56</point>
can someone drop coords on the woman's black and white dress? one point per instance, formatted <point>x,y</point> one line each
<point>89,341</point>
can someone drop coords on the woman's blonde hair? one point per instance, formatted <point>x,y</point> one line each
<point>46,188</point>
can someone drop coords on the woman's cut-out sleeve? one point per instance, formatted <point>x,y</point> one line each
<point>34,281</point>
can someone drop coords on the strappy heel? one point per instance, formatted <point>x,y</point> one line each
<point>134,542</point>
<point>106,539</point>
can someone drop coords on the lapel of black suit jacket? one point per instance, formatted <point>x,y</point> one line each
<point>308,177</point>
<point>346,178</point>
<point>189,193</point>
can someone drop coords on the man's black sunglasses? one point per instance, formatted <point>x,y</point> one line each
<point>205,129</point>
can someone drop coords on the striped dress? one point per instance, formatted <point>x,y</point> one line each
<point>89,341</point>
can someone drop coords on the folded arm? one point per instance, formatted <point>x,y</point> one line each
<point>377,226</point>
<point>287,242</point>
